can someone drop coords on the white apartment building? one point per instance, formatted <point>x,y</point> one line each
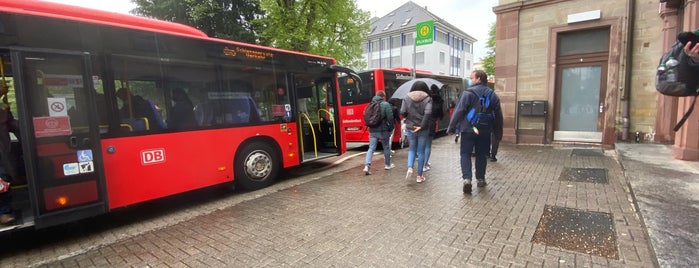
<point>390,43</point>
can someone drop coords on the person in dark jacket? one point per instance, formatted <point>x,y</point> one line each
<point>471,136</point>
<point>381,133</point>
<point>436,115</point>
<point>416,109</point>
<point>182,113</point>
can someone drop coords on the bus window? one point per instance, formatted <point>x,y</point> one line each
<point>139,94</point>
<point>185,86</point>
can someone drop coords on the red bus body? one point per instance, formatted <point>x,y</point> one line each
<point>352,105</point>
<point>114,110</point>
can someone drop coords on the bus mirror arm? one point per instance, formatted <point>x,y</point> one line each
<point>346,70</point>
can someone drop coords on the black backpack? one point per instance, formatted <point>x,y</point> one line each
<point>372,114</point>
<point>482,114</point>
<point>676,76</point>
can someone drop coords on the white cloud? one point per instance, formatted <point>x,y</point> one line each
<point>473,17</point>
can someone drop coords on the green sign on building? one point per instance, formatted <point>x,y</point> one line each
<point>425,32</point>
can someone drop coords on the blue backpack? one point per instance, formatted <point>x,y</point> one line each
<point>482,115</point>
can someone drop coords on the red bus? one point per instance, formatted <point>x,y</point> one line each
<point>352,103</point>
<point>115,110</point>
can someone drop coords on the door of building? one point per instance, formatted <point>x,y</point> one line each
<point>581,79</point>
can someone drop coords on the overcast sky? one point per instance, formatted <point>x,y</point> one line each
<point>472,16</point>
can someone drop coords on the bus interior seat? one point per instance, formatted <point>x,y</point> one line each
<point>157,116</point>
<point>231,111</point>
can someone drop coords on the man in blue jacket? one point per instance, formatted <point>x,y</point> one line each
<point>381,132</point>
<point>472,136</point>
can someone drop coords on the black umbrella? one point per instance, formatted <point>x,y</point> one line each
<point>404,89</point>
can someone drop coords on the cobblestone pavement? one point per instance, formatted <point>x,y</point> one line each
<point>339,217</point>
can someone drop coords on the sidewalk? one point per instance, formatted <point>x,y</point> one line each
<point>667,194</point>
<point>536,211</point>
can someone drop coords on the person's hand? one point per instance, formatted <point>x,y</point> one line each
<point>4,186</point>
<point>692,52</point>
<point>416,129</point>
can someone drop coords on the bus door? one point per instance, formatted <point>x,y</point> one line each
<point>60,136</point>
<point>317,122</point>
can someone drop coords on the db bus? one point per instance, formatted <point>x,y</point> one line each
<point>354,99</point>
<point>114,110</point>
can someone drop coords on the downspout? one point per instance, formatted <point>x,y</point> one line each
<point>626,103</point>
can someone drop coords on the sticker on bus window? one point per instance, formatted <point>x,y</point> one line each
<point>86,167</point>
<point>57,107</point>
<point>51,126</point>
<point>84,155</point>
<point>70,169</point>
<point>278,110</point>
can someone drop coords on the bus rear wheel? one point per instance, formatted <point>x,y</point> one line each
<point>256,166</point>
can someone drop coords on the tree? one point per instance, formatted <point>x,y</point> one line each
<point>225,19</point>
<point>332,28</point>
<point>489,60</point>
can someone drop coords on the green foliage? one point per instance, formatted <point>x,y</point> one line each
<point>489,60</point>
<point>225,19</point>
<point>333,28</point>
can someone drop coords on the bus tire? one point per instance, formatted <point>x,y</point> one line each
<point>256,166</point>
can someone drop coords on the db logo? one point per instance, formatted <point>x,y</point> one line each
<point>154,156</point>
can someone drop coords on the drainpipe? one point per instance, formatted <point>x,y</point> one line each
<point>626,103</point>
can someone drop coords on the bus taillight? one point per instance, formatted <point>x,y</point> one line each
<point>70,195</point>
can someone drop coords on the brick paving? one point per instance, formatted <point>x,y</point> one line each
<point>343,218</point>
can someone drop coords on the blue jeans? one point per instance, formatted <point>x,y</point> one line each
<point>417,140</point>
<point>481,142</point>
<point>428,148</point>
<point>374,137</point>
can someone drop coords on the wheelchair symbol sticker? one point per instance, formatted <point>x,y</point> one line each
<point>84,155</point>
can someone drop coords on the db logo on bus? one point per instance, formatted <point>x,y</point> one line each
<point>154,156</point>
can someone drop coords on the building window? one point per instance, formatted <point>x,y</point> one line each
<point>395,61</point>
<point>406,21</point>
<point>442,37</point>
<point>584,41</point>
<point>395,42</point>
<point>441,57</point>
<point>388,26</point>
<point>408,39</point>
<point>420,58</point>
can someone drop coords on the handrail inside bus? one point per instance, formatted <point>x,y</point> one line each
<point>331,120</point>
<point>313,132</point>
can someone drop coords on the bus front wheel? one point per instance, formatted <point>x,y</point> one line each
<point>256,166</point>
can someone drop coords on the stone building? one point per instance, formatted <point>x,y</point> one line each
<point>582,71</point>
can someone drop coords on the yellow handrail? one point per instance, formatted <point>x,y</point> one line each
<point>310,124</point>
<point>331,120</point>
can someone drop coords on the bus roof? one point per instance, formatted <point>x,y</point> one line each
<point>87,15</point>
<point>61,11</point>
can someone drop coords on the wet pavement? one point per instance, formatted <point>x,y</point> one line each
<point>667,193</point>
<point>336,216</point>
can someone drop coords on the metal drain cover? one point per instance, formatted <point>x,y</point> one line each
<point>593,175</point>
<point>577,230</point>
<point>587,152</point>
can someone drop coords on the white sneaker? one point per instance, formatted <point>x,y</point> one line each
<point>425,168</point>
<point>393,152</point>
<point>366,170</point>
<point>390,167</point>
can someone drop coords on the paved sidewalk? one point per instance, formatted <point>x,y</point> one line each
<point>667,193</point>
<point>343,218</point>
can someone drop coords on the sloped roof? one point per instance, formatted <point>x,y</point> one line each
<point>407,16</point>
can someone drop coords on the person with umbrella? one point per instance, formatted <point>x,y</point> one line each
<point>416,109</point>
